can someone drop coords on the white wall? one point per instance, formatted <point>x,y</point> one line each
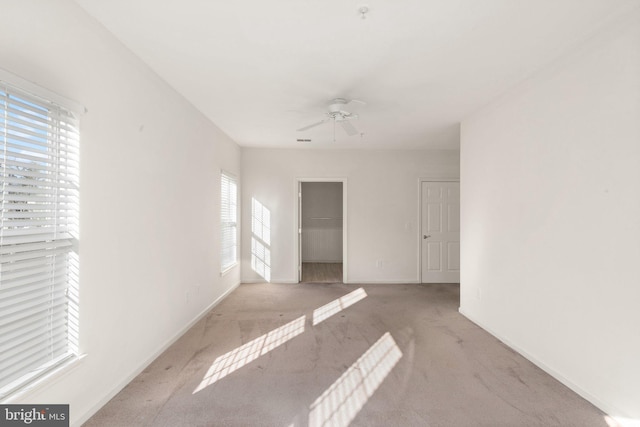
<point>550,179</point>
<point>150,166</point>
<point>321,221</point>
<point>382,203</point>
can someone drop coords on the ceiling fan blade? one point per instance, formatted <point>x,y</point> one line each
<point>349,128</point>
<point>312,125</point>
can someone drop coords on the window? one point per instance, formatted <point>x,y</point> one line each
<point>229,218</point>
<point>38,237</point>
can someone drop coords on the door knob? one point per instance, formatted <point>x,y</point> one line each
<point>426,236</point>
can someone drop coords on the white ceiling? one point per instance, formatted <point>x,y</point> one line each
<point>262,69</point>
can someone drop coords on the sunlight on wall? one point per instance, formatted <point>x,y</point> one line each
<point>342,401</point>
<point>239,357</point>
<point>260,239</point>
<point>621,422</point>
<point>337,305</point>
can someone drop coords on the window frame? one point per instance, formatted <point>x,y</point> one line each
<point>40,112</point>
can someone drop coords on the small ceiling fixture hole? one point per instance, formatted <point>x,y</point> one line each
<point>363,11</point>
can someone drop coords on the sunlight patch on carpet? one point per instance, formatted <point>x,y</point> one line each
<point>239,357</point>
<point>342,401</point>
<point>337,305</point>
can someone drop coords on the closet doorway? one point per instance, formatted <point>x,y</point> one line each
<point>321,231</point>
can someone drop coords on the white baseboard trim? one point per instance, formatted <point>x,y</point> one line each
<point>603,406</point>
<point>349,282</point>
<point>323,261</point>
<point>383,282</point>
<point>254,281</point>
<point>151,358</point>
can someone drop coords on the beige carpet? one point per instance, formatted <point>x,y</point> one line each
<point>337,355</point>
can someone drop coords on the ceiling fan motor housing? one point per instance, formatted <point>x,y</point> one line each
<point>336,111</point>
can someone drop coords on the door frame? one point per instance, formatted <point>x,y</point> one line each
<point>297,231</point>
<point>420,234</point>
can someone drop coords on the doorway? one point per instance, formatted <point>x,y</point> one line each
<point>440,231</point>
<point>321,231</point>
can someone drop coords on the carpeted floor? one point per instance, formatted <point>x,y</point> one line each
<point>337,355</point>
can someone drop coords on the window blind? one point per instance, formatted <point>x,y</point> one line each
<point>38,236</point>
<point>229,217</point>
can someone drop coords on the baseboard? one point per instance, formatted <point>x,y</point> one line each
<point>285,282</point>
<point>383,282</point>
<point>95,408</point>
<point>603,406</point>
<point>349,282</point>
<point>253,282</point>
<point>323,261</point>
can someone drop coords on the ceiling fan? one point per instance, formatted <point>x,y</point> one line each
<point>340,111</point>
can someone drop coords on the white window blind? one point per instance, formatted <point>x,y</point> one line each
<point>229,217</point>
<point>38,237</point>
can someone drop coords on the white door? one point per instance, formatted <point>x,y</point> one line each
<point>440,232</point>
